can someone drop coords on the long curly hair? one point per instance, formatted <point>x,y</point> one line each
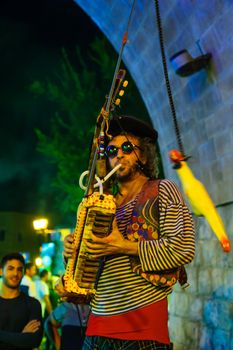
<point>150,168</point>
<point>149,150</point>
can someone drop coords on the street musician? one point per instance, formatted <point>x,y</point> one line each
<point>152,237</point>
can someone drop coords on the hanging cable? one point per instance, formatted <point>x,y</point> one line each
<point>168,86</point>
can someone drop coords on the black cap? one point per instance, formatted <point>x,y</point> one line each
<point>131,125</point>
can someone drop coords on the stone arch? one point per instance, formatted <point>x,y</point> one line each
<point>204,106</point>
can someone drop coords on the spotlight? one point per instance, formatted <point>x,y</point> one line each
<point>185,65</point>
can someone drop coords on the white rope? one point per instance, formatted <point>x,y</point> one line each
<point>99,181</point>
<point>81,180</point>
<point>99,184</point>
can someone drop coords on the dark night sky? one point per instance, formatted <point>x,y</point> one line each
<point>32,35</point>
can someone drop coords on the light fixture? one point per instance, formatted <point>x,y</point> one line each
<point>38,261</point>
<point>40,224</point>
<point>185,65</point>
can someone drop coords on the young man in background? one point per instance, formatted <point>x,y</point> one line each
<point>20,314</point>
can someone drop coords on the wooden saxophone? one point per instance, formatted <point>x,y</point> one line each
<point>95,214</point>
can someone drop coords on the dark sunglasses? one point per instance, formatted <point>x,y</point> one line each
<point>127,147</point>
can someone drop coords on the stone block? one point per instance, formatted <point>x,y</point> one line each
<point>192,273</point>
<point>205,287</point>
<point>225,195</point>
<point>185,338</point>
<point>225,85</point>
<point>176,330</point>
<point>179,305</point>
<point>204,229</point>
<point>228,285</point>
<point>206,339</point>
<point>222,64</point>
<point>221,339</point>
<point>218,314</point>
<point>192,334</point>
<point>224,25</point>
<point>224,260</point>
<point>208,152</point>
<point>218,281</point>
<point>195,308</point>
<point>216,171</point>
<point>216,122</point>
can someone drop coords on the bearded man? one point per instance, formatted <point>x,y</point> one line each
<point>151,239</point>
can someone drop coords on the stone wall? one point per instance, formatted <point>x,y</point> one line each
<point>202,316</point>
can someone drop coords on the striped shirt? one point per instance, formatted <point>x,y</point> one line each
<point>121,290</point>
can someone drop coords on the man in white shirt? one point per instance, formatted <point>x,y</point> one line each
<point>27,284</point>
<point>42,293</point>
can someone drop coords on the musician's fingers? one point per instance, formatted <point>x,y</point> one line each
<point>68,250</point>
<point>68,247</point>
<point>67,255</point>
<point>69,239</point>
<point>95,254</point>
<point>89,243</point>
<point>104,241</point>
<point>93,247</point>
<point>95,239</point>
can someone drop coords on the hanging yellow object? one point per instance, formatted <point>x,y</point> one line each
<point>199,199</point>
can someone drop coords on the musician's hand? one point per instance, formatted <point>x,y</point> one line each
<point>115,243</point>
<point>68,247</point>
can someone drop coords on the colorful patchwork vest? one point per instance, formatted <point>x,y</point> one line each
<point>144,225</point>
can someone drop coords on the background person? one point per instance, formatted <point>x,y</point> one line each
<point>42,293</point>
<point>28,286</point>
<point>20,314</point>
<point>53,295</point>
<point>66,325</point>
